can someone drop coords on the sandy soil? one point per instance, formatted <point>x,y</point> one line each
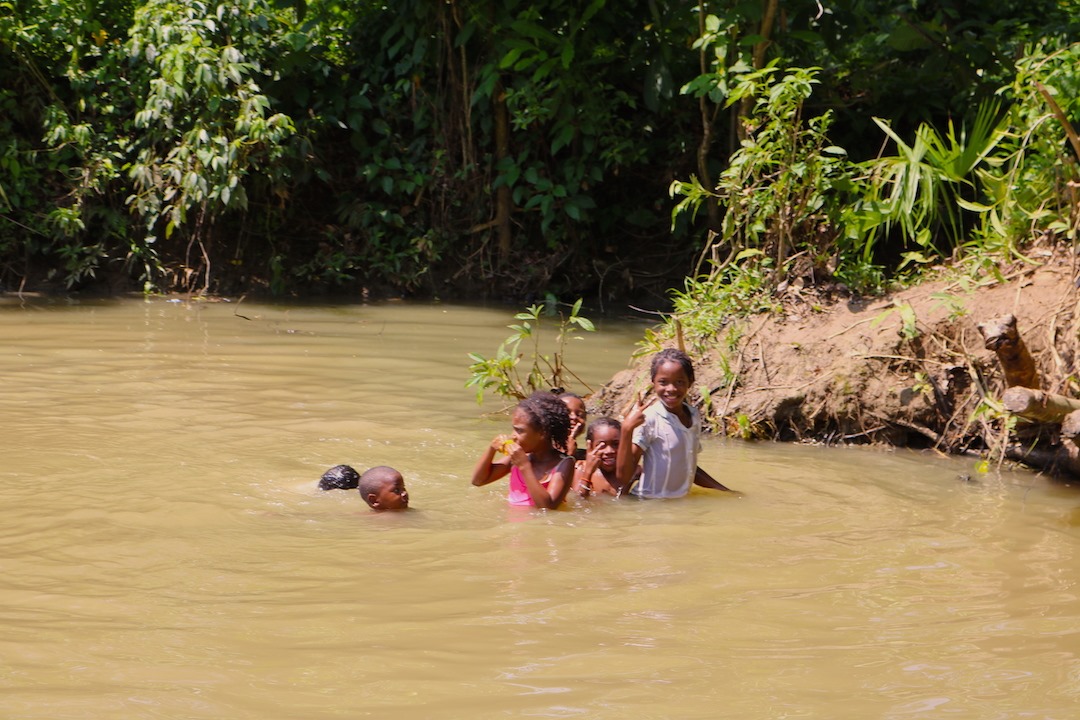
<point>908,369</point>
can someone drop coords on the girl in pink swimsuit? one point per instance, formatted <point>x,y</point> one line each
<point>540,474</point>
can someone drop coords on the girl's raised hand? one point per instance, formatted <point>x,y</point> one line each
<point>517,456</point>
<point>576,426</point>
<point>505,444</point>
<point>592,456</point>
<point>636,416</point>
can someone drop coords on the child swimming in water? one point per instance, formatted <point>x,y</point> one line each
<point>540,474</point>
<point>339,477</point>
<point>596,474</point>
<point>664,436</point>
<point>383,488</point>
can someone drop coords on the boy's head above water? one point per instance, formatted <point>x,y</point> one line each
<point>339,477</point>
<point>383,488</point>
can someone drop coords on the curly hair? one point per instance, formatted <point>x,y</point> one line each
<point>548,414</point>
<point>339,477</point>
<point>675,356</point>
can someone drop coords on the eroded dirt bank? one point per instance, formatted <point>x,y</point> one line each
<point>908,369</point>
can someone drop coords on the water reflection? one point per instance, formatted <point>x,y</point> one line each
<point>166,553</point>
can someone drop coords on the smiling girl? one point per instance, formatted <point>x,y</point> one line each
<point>664,436</point>
<point>540,474</point>
<point>597,474</point>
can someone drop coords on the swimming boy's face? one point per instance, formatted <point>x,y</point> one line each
<point>392,494</point>
<point>527,435</point>
<point>671,384</point>
<point>609,449</point>
<point>578,415</point>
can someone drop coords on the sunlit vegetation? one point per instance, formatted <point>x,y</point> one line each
<point>515,372</point>
<point>515,149</point>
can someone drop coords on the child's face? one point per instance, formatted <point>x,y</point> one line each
<point>578,415</point>
<point>392,495</point>
<point>609,436</point>
<point>527,435</point>
<point>671,384</point>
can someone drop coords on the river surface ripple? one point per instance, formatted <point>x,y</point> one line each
<point>166,554</point>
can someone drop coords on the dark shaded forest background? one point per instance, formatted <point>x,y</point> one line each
<point>510,150</point>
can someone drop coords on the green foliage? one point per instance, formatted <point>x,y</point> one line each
<point>955,305</point>
<point>205,124</point>
<point>744,427</point>
<point>1031,185</point>
<point>508,376</point>
<point>46,134</point>
<point>652,341</point>
<point>781,184</point>
<point>293,146</point>
<point>709,303</point>
<point>555,72</point>
<point>172,124</point>
<point>923,62</point>
<point>909,327</point>
<point>779,187</point>
<point>922,190</point>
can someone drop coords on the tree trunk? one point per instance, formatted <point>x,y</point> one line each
<point>1001,336</point>
<point>1056,461</point>
<point>1070,428</point>
<point>503,198</point>
<point>708,113</point>
<point>1038,405</point>
<point>768,20</point>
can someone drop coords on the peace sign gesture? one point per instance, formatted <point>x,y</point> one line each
<point>636,416</point>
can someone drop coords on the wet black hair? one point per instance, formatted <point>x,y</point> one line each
<point>372,480</point>
<point>672,355</point>
<point>602,422</point>
<point>548,414</point>
<point>339,477</point>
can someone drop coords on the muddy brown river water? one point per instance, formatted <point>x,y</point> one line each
<point>165,553</point>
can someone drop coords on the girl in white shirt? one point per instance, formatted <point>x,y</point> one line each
<point>664,436</point>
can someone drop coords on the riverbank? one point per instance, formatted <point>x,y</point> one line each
<point>909,369</point>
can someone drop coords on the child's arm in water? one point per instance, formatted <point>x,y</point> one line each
<point>582,483</point>
<point>488,470</point>
<point>706,480</point>
<point>562,477</point>
<point>583,473</point>
<point>629,456</point>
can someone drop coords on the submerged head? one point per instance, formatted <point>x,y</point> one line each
<point>541,420</point>
<point>383,488</point>
<point>603,440</point>
<point>672,375</point>
<point>578,414</point>
<point>339,477</point>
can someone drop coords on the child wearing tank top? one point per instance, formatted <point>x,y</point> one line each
<point>540,473</point>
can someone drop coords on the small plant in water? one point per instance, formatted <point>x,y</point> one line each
<point>506,376</point>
